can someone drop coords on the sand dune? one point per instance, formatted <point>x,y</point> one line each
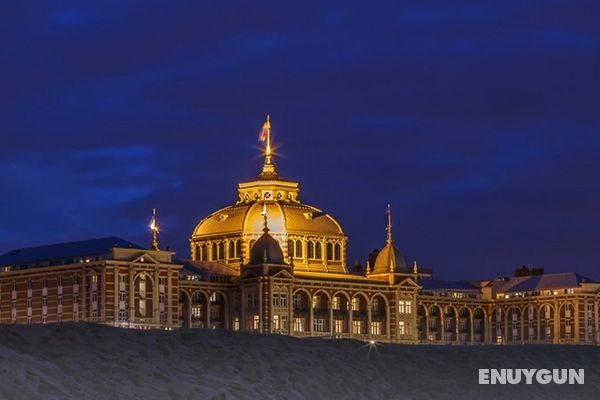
<point>97,362</point>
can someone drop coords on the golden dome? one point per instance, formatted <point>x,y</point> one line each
<point>311,238</point>
<point>390,259</point>
<point>283,218</point>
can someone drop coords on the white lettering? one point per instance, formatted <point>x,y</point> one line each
<point>543,376</point>
<point>576,375</point>
<point>528,375</point>
<point>498,377</point>
<point>484,376</point>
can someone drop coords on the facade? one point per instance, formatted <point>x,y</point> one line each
<point>271,264</point>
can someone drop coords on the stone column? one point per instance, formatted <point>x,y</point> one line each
<point>331,330</point>
<point>471,327</point>
<point>311,315</point>
<point>207,318</point>
<point>556,323</point>
<point>350,318</point>
<point>116,295</point>
<point>131,296</point>
<point>84,299</point>
<point>576,316</point>
<point>155,298</point>
<point>169,300</point>
<point>369,317</point>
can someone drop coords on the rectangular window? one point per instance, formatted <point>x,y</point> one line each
<point>236,324</point>
<point>376,328</point>
<point>335,303</point>
<point>375,306</point>
<point>401,328</point>
<point>357,327</point>
<point>355,304</point>
<point>404,307</point>
<point>319,325</point>
<point>256,322</point>
<point>299,324</point>
<point>276,324</point>
<point>338,326</point>
<point>298,301</point>
<point>122,315</point>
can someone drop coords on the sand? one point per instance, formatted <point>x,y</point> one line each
<point>87,361</point>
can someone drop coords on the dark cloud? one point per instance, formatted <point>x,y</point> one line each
<point>478,122</point>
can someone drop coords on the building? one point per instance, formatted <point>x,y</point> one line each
<point>271,264</point>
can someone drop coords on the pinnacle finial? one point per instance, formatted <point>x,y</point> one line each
<point>415,267</point>
<point>389,224</point>
<point>154,228</point>
<point>265,137</point>
<point>264,214</point>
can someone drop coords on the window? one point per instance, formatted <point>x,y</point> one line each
<point>311,250</point>
<point>290,248</point>
<point>318,251</point>
<point>298,252</point>
<point>335,303</point>
<point>329,251</point>
<point>402,328</point>
<point>204,252</point>
<point>238,248</point>
<point>231,248</point>
<point>196,311</point>
<point>337,252</point>
<point>298,301</point>
<point>221,253</point>
<point>357,327</point>
<point>299,324</point>
<point>318,302</point>
<point>404,307</point>
<point>355,304</point>
<point>276,324</point>
<point>280,300</point>
<point>463,324</point>
<point>376,328</point>
<point>256,322</point>
<point>432,323</point>
<point>375,306</point>
<point>142,293</point>
<point>214,253</point>
<point>236,324</point>
<point>122,315</point>
<point>338,326</point>
<point>319,325</point>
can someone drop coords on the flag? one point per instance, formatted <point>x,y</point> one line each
<point>264,133</point>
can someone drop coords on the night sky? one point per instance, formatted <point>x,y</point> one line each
<point>478,122</point>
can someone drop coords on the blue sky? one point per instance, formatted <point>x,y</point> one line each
<point>478,122</point>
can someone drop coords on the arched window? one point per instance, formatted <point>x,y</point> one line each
<point>221,254</point>
<point>329,251</point>
<point>290,248</point>
<point>337,252</point>
<point>318,251</point>
<point>238,248</point>
<point>214,252</point>
<point>231,245</point>
<point>197,253</point>
<point>310,250</point>
<point>204,253</point>
<point>298,253</point>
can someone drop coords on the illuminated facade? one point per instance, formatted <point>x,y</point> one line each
<point>271,264</point>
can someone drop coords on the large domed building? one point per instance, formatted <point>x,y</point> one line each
<point>269,263</point>
<point>311,239</point>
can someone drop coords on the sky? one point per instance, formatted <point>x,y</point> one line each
<point>477,121</point>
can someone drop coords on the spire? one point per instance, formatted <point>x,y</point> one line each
<point>264,214</point>
<point>154,228</point>
<point>389,224</point>
<point>268,169</point>
<point>415,267</point>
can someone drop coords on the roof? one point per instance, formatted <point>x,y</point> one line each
<point>283,217</point>
<point>65,250</point>
<point>562,280</point>
<point>433,284</point>
<point>390,259</point>
<point>207,267</point>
